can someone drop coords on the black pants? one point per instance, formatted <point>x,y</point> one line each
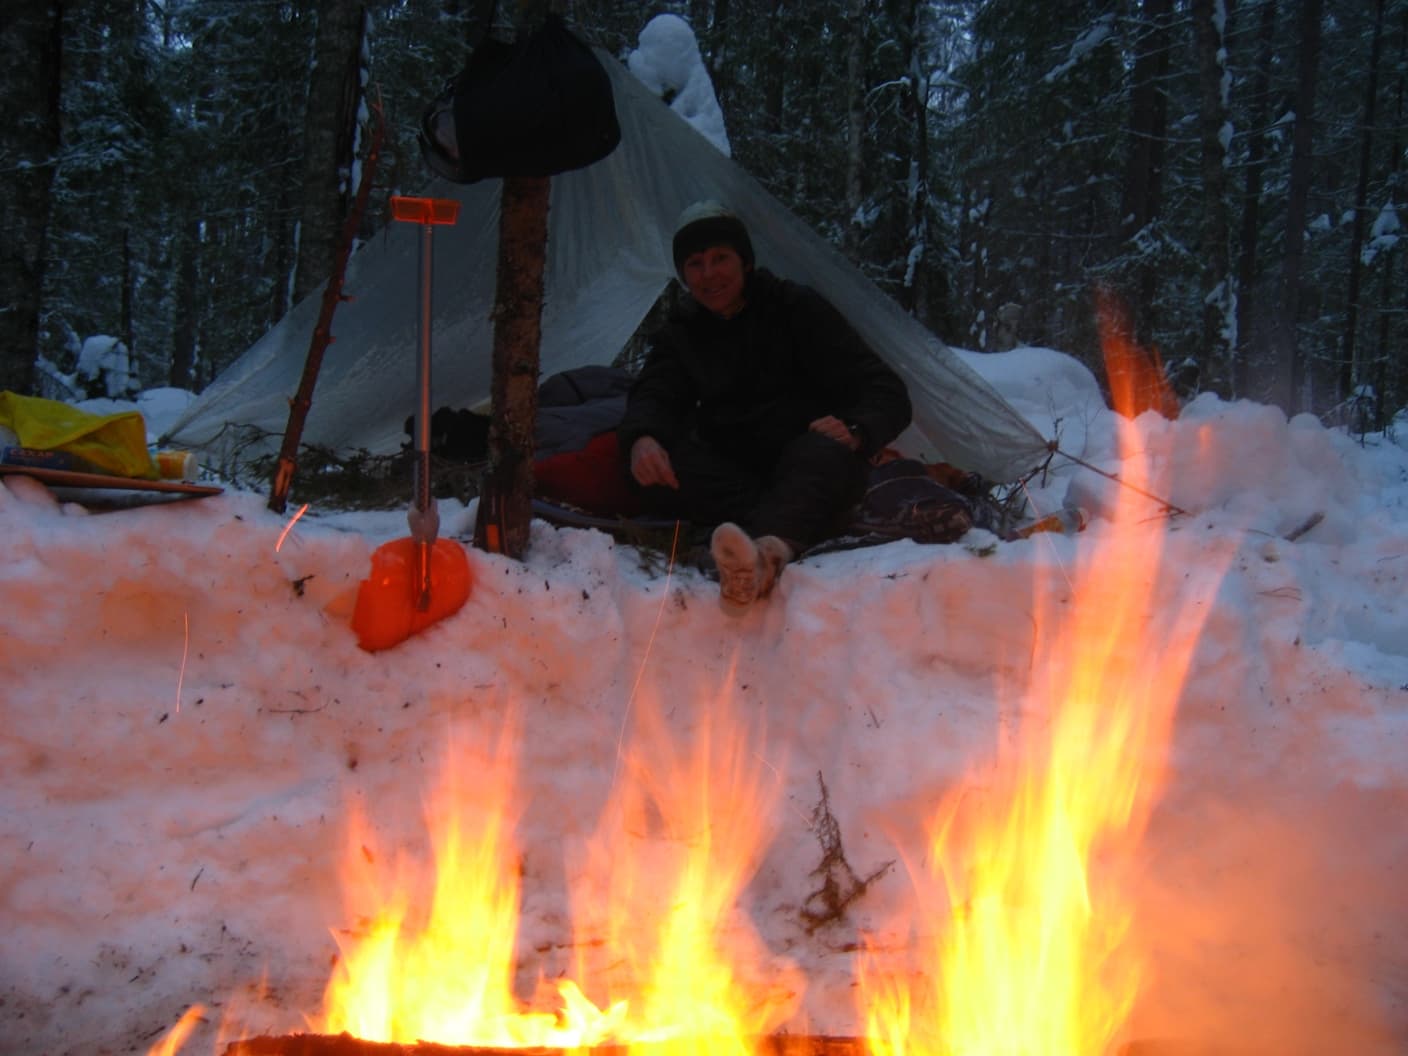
<point>803,494</point>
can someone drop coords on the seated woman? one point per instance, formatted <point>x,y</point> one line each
<point>757,408</point>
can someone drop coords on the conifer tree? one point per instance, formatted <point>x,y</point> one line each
<point>31,38</point>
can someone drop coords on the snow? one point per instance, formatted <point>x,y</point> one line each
<point>103,356</point>
<point>189,721</point>
<point>668,62</point>
<point>1088,41</point>
<point>1055,392</point>
<point>159,407</point>
<point>1383,234</point>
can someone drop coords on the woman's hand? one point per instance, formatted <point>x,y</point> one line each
<point>837,430</point>
<point>650,464</point>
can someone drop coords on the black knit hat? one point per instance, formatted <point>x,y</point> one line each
<point>706,224</point>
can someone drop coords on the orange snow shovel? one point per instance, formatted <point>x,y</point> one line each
<point>396,600</point>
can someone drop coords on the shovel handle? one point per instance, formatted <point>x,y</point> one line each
<point>423,517</point>
<point>423,575</point>
<point>425,528</point>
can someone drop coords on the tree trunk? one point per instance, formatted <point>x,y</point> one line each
<point>186,311</point>
<point>505,510</point>
<point>1289,359</point>
<point>1219,289</point>
<point>917,187</point>
<point>973,238</point>
<point>1349,366</point>
<point>506,493</point>
<point>329,140</point>
<point>1143,185</point>
<point>31,38</point>
<point>771,75</point>
<point>129,283</point>
<point>717,58</point>
<point>1251,208</point>
<point>1391,374</point>
<point>855,125</point>
<point>699,15</point>
<point>481,20</point>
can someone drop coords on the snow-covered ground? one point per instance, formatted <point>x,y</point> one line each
<point>188,721</point>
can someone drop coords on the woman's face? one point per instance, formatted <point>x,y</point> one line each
<point>715,279</point>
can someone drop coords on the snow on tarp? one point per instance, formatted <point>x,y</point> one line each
<point>609,229</point>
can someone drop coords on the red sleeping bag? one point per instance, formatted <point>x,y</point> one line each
<point>591,478</point>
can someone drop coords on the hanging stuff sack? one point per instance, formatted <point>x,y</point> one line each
<point>536,107</point>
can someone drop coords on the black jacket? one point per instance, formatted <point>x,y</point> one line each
<point>749,384</point>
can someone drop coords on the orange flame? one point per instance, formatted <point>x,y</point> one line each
<point>1030,859</point>
<point>682,842</point>
<point>169,1044</point>
<point>444,973</point>
<point>1135,374</point>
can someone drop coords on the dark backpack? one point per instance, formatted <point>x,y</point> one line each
<point>902,501</point>
<point>536,107</point>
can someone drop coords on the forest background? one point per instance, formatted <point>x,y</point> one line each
<point>176,173</point>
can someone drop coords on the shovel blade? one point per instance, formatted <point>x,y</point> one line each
<point>386,614</point>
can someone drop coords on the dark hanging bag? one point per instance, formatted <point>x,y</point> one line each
<point>536,107</point>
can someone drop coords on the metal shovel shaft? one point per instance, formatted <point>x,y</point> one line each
<point>423,516</point>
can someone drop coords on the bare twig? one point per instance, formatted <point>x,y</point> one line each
<point>840,886</point>
<point>1304,526</point>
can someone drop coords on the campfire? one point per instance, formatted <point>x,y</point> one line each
<point>1021,935</point>
<point>660,949</point>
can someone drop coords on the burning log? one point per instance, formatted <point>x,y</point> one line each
<point>347,1045</point>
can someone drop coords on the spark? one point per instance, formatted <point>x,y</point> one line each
<point>650,642</point>
<point>185,652</point>
<point>805,819</point>
<point>289,527</point>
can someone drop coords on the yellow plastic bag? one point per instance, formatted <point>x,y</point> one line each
<point>111,443</point>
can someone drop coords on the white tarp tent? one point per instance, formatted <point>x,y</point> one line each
<point>608,259</point>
